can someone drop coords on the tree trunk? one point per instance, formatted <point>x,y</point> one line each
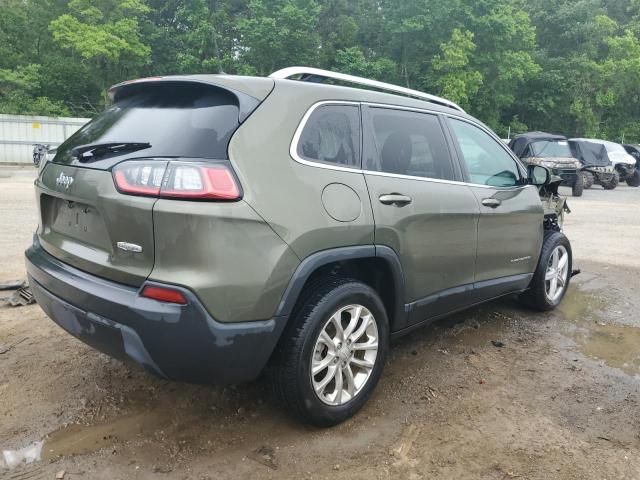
<point>216,48</point>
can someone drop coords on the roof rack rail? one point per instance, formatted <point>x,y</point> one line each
<point>317,75</point>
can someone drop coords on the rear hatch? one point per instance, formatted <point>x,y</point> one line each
<point>88,221</point>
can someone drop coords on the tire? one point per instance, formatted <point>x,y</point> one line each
<point>578,186</point>
<point>540,295</point>
<point>302,347</point>
<point>612,182</point>
<point>634,180</point>
<point>587,180</point>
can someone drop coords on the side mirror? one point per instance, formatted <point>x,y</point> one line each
<point>538,175</point>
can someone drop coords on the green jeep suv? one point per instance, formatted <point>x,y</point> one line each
<point>214,227</point>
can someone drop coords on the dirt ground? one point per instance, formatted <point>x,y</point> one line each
<point>560,398</point>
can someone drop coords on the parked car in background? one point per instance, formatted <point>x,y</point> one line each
<point>39,153</point>
<point>551,151</point>
<point>597,169</point>
<point>634,151</point>
<point>208,227</point>
<point>608,162</point>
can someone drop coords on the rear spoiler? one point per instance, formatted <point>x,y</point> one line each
<point>247,103</point>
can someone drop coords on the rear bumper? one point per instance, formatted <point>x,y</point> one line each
<point>179,342</point>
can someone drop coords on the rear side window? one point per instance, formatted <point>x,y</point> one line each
<point>487,162</point>
<point>177,119</point>
<point>408,143</point>
<point>332,135</point>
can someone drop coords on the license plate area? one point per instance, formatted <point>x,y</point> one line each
<point>74,220</point>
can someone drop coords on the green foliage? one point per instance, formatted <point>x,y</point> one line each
<point>19,93</point>
<point>106,31</point>
<point>458,80</point>
<point>569,66</point>
<point>278,33</point>
<point>353,61</point>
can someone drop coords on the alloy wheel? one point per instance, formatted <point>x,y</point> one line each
<point>344,355</point>
<point>557,273</point>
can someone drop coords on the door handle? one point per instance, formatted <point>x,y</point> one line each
<point>395,199</point>
<point>491,202</point>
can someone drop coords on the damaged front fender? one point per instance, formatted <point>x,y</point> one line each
<point>555,205</point>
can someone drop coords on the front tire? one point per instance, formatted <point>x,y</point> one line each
<point>553,274</point>
<point>578,186</point>
<point>587,180</point>
<point>612,182</point>
<point>634,180</point>
<point>332,355</point>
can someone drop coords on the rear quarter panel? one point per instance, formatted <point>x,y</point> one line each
<point>226,253</point>
<point>286,193</point>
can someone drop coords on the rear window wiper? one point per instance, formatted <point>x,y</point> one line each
<point>91,151</point>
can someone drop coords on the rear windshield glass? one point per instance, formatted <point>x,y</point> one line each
<point>178,120</point>
<point>547,149</point>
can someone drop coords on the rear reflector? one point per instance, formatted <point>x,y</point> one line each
<point>163,294</point>
<point>178,180</point>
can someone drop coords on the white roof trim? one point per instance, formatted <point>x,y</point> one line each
<point>286,73</point>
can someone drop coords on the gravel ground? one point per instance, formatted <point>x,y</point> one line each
<point>560,399</point>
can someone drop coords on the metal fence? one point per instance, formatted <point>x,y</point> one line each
<point>19,133</point>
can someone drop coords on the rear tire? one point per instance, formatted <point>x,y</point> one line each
<point>553,273</point>
<point>587,180</point>
<point>634,180</point>
<point>322,337</point>
<point>612,182</point>
<point>578,186</point>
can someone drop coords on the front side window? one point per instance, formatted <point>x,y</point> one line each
<point>486,161</point>
<point>408,143</point>
<point>332,135</point>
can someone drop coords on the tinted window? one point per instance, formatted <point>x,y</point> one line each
<point>550,149</point>
<point>332,135</point>
<point>487,162</point>
<point>408,143</point>
<point>184,120</point>
<point>632,151</point>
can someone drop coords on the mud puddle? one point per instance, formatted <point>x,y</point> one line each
<point>584,308</point>
<point>78,439</point>
<point>618,346</point>
<point>181,424</point>
<point>579,305</point>
<point>484,326</point>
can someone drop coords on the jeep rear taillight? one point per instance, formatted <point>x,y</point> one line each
<point>197,181</point>
<point>177,180</point>
<point>140,177</point>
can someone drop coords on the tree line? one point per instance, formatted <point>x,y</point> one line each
<point>567,66</point>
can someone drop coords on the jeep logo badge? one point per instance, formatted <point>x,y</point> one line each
<point>64,181</point>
